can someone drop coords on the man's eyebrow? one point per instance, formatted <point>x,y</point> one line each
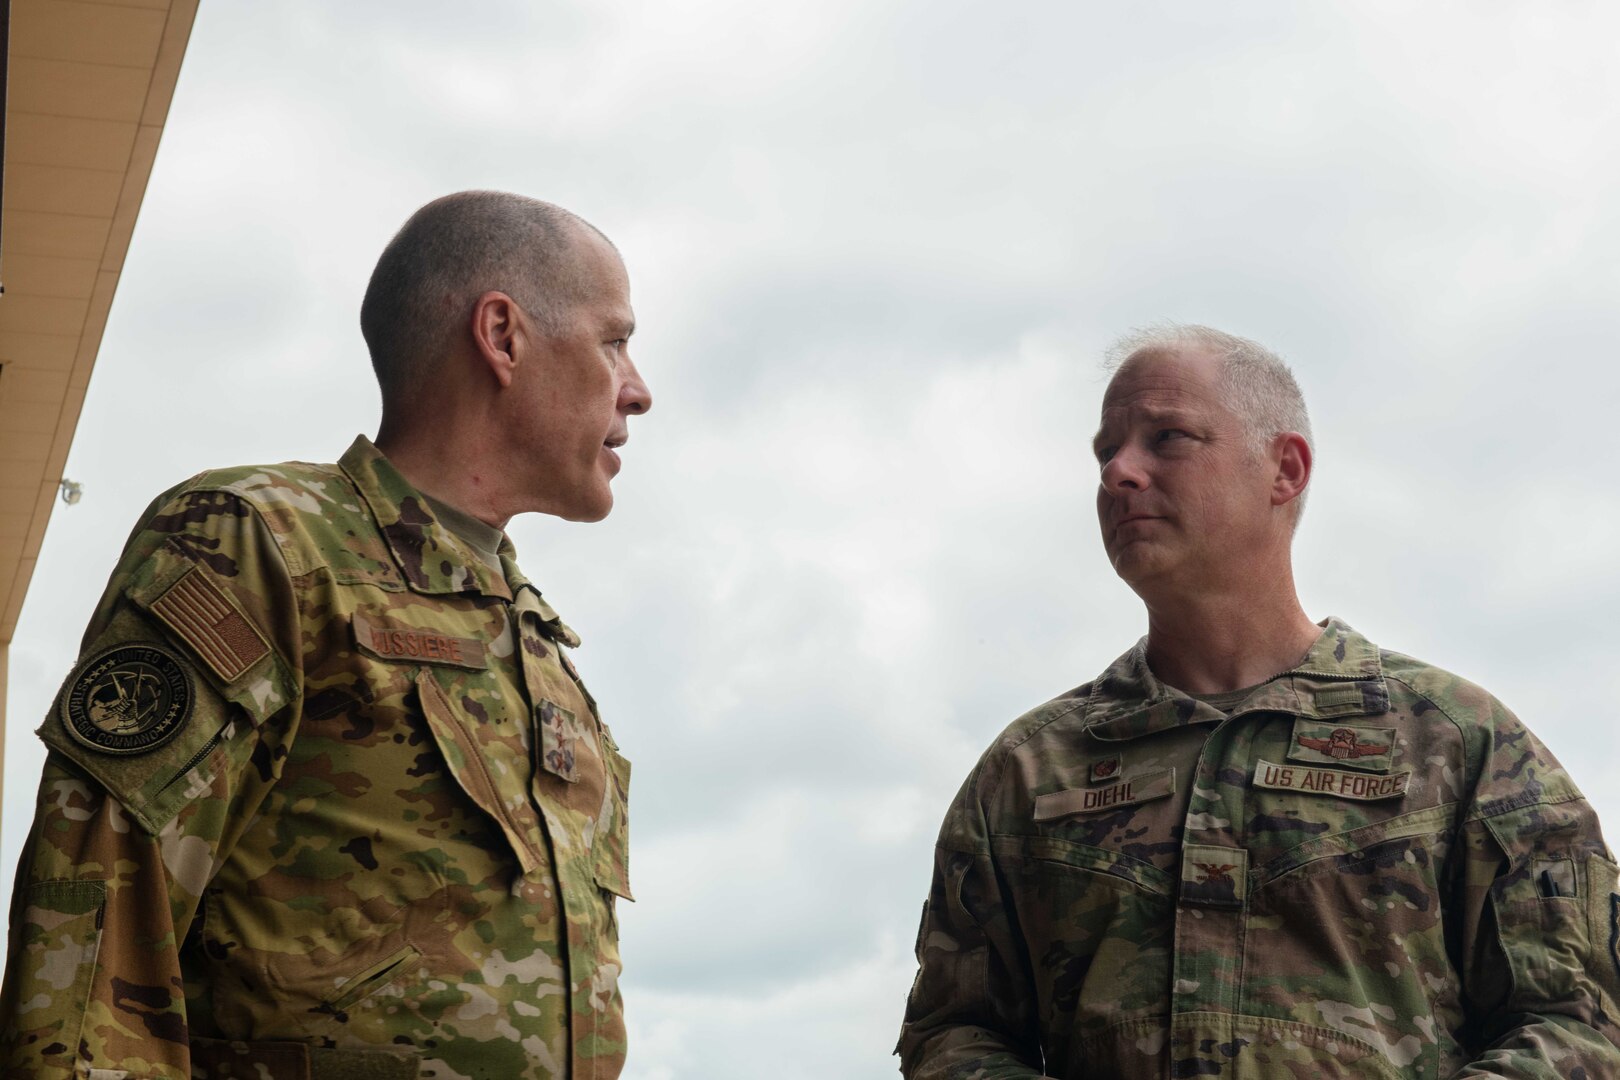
<point>1151,415</point>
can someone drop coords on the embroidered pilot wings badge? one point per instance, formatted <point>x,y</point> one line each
<point>1343,743</point>
<point>1368,748</point>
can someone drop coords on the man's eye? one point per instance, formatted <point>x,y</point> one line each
<point>1169,434</point>
<point>1104,453</point>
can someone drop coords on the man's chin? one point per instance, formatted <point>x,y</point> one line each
<point>1136,564</point>
<point>588,510</point>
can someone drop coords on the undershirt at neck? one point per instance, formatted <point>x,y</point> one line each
<point>481,536</point>
<point>1227,700</point>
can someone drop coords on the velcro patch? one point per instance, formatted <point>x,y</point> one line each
<point>1141,788</point>
<point>418,644</point>
<point>205,617</point>
<point>1349,745</point>
<point>128,699</point>
<point>1215,876</point>
<point>1343,785</point>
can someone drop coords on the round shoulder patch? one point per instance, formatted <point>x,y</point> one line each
<point>128,699</point>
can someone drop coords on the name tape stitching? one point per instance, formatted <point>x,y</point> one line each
<point>1366,787</point>
<point>1144,787</point>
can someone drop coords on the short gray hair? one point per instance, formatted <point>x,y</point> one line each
<point>1255,382</point>
<point>449,253</point>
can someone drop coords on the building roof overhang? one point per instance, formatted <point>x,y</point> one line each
<point>89,85</point>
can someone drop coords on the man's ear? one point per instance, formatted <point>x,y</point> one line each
<point>499,332</point>
<point>1293,457</point>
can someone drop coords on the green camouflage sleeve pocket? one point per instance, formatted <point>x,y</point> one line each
<point>1542,924</point>
<point>54,960</point>
<point>951,951</point>
<point>1603,926</point>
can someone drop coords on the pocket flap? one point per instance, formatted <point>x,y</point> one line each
<point>511,809</point>
<point>613,827</point>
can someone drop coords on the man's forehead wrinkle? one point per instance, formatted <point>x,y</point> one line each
<point>1155,402</point>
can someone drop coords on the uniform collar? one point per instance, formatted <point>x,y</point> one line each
<point>1341,676</point>
<point>431,558</point>
<point>528,598</point>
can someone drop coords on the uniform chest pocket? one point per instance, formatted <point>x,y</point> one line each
<point>502,793</point>
<point>612,842</point>
<point>1414,843</point>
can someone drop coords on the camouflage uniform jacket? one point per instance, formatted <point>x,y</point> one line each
<point>1370,869</point>
<point>324,798</point>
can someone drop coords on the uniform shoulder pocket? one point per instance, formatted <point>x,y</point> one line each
<point>1603,929</point>
<point>138,717</point>
<point>1543,924</point>
<point>199,610</point>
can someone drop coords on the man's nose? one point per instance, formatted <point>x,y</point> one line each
<point>634,397</point>
<point>1124,472</point>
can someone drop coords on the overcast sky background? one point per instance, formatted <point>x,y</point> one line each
<point>876,248</point>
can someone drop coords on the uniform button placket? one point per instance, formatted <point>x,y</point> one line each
<point>1211,899</point>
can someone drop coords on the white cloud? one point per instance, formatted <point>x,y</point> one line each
<point>875,249</point>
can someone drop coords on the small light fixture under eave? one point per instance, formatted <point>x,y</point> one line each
<point>72,491</point>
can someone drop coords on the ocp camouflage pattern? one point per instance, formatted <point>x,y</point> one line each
<point>354,859</point>
<point>1342,922</point>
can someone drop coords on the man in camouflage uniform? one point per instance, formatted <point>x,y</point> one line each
<point>1257,847</point>
<point>325,796</point>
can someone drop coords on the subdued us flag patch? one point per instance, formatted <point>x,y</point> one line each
<point>209,621</point>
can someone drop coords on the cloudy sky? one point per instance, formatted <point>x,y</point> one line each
<point>876,249</point>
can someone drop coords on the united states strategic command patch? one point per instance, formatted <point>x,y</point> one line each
<point>128,700</point>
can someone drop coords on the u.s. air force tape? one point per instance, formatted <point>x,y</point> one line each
<point>128,699</point>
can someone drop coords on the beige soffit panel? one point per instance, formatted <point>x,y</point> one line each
<point>89,91</point>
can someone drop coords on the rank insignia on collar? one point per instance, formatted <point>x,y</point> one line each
<point>1349,745</point>
<point>1106,770</point>
<point>128,700</point>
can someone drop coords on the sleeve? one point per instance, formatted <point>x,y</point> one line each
<point>1540,971</point>
<point>162,741</point>
<point>971,1011</point>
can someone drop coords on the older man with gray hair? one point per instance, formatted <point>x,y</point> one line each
<point>325,796</point>
<point>1257,846</point>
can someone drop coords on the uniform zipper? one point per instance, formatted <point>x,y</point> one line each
<point>195,760</point>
